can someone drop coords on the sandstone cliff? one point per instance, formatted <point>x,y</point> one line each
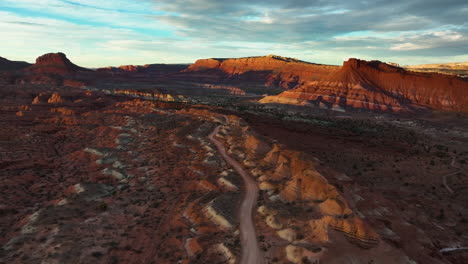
<point>375,85</point>
<point>268,70</point>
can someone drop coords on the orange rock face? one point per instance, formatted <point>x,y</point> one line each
<point>55,99</point>
<point>55,63</point>
<point>378,86</point>
<point>270,70</point>
<point>130,68</point>
<point>358,84</point>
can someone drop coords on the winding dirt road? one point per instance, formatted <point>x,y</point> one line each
<point>250,253</point>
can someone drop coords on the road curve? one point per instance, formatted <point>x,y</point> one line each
<point>250,253</point>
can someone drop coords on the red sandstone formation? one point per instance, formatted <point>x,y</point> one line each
<point>55,63</point>
<point>73,83</point>
<point>130,68</point>
<point>375,85</point>
<point>269,70</point>
<point>51,69</point>
<point>356,85</point>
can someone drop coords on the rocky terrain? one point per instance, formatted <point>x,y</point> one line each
<point>364,163</point>
<point>133,181</point>
<point>385,195</point>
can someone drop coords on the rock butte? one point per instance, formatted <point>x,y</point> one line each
<point>55,63</point>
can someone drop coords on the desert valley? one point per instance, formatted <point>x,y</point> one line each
<point>247,160</point>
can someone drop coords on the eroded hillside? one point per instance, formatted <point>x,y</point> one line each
<point>133,181</point>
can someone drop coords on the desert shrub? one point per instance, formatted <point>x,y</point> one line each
<point>97,254</point>
<point>441,147</point>
<point>102,206</point>
<point>441,154</point>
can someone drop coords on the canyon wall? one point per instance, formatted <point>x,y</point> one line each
<point>378,86</point>
<point>269,70</point>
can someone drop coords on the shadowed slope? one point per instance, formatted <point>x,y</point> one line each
<point>7,65</point>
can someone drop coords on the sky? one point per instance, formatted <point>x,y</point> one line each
<point>120,32</point>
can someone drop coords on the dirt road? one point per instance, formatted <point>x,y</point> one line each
<point>250,253</point>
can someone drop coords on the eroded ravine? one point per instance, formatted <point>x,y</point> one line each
<point>250,253</point>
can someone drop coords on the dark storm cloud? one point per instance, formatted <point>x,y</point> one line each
<point>394,26</point>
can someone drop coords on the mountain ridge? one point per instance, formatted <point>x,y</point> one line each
<point>375,85</point>
<point>8,65</point>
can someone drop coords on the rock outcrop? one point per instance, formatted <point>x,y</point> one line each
<point>320,214</point>
<point>378,86</point>
<point>55,63</point>
<point>55,99</point>
<point>298,203</point>
<point>269,70</point>
<point>50,69</point>
<point>358,84</point>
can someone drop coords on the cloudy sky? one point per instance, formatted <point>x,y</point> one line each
<point>116,32</point>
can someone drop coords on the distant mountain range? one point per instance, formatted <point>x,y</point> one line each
<point>457,68</point>
<point>358,84</point>
<point>7,65</point>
